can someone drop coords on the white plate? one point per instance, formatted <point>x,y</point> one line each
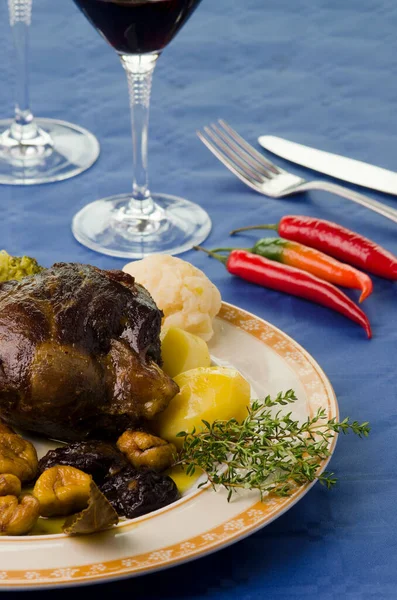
<point>202,521</point>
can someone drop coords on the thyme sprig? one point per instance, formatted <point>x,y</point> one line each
<point>271,453</point>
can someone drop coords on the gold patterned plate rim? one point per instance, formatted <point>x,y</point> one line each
<point>237,525</point>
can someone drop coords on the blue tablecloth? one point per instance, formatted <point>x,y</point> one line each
<point>322,73</point>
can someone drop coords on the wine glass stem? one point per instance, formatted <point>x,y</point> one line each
<point>139,70</point>
<point>20,12</point>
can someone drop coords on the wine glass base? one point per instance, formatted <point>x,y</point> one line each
<point>63,151</point>
<point>109,226</point>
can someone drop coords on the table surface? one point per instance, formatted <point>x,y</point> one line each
<point>321,73</point>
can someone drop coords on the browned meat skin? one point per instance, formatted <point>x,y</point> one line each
<point>80,353</point>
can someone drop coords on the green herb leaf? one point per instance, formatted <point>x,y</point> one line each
<point>271,453</point>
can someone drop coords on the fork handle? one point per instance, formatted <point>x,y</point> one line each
<point>333,188</point>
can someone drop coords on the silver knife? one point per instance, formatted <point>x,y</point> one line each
<point>334,165</point>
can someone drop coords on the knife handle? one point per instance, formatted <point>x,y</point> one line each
<point>333,188</point>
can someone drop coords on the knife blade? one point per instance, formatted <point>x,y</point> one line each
<point>334,165</point>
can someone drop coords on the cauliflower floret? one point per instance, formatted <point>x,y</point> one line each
<point>186,296</point>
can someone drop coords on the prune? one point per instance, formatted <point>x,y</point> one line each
<point>98,459</point>
<point>133,493</point>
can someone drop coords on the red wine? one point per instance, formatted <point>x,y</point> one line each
<point>137,26</point>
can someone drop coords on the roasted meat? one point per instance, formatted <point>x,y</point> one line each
<point>80,353</point>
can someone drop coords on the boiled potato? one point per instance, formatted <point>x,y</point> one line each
<point>182,351</point>
<point>206,393</point>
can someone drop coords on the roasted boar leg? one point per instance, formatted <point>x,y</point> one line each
<point>80,353</point>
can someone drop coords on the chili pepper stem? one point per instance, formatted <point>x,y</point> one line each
<point>252,227</point>
<point>222,259</point>
<point>230,249</point>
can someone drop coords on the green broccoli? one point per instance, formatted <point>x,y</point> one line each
<point>17,267</point>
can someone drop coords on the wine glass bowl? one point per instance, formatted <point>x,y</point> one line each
<point>139,223</point>
<point>138,26</point>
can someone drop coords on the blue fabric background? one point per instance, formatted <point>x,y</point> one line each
<point>322,73</point>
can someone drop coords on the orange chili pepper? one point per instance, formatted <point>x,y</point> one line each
<point>313,261</point>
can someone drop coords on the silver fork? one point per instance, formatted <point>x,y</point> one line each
<point>265,177</point>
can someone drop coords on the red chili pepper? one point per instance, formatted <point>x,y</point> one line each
<point>342,243</point>
<point>283,278</point>
<point>311,260</point>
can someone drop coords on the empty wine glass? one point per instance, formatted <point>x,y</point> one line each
<point>38,150</point>
<point>139,223</point>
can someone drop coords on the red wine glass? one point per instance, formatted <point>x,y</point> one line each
<point>139,223</point>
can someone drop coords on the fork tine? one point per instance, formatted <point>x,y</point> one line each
<point>250,149</point>
<point>228,163</point>
<point>242,154</point>
<point>233,156</point>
